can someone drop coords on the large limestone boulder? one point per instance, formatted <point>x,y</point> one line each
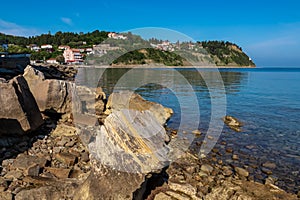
<point>64,97</point>
<point>50,94</point>
<point>19,112</point>
<point>128,146</point>
<point>130,100</point>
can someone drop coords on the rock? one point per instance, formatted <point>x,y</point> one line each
<point>178,196</point>
<point>32,170</point>
<point>6,196</point>
<point>128,100</point>
<point>207,168</point>
<point>235,157</point>
<point>196,132</point>
<point>67,158</point>
<point>162,196</point>
<point>241,172</point>
<point>59,172</point>
<point>233,123</point>
<point>266,171</point>
<point>47,192</point>
<point>131,140</point>
<point>50,94</point>
<point>24,162</point>
<point>129,145</point>
<point>184,188</point>
<point>227,172</point>
<point>13,175</point>
<point>19,112</point>
<point>64,130</point>
<point>269,165</point>
<point>84,157</point>
<point>270,180</point>
<point>247,191</point>
<point>229,150</point>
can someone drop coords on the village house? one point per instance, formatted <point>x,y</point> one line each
<point>63,47</point>
<point>34,47</point>
<point>47,47</point>
<point>73,56</point>
<point>51,61</point>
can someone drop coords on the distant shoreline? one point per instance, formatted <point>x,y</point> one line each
<point>163,66</point>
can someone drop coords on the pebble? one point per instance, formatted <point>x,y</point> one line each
<point>229,150</point>
<point>196,132</point>
<point>206,168</point>
<point>266,171</point>
<point>269,165</point>
<point>241,172</point>
<point>235,157</point>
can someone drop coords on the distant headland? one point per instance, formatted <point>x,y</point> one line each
<point>99,48</point>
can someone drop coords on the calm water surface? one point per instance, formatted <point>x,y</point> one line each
<point>266,100</point>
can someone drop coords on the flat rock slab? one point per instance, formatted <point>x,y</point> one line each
<point>131,141</point>
<point>23,162</point>
<point>133,101</point>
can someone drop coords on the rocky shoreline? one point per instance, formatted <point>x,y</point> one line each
<point>54,161</point>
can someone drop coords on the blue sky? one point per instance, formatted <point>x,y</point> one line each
<point>269,31</point>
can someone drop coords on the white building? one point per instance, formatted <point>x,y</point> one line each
<point>73,56</point>
<point>52,61</point>
<point>46,46</point>
<point>116,36</point>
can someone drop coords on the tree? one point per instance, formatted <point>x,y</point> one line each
<point>60,59</point>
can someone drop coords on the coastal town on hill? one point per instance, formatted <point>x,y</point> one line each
<point>73,48</point>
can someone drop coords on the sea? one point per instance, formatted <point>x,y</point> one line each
<point>266,101</point>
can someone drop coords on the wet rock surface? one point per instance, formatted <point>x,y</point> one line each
<point>212,181</point>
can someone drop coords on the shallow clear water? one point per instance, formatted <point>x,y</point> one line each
<point>266,100</point>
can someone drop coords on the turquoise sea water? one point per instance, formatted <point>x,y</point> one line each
<point>266,100</point>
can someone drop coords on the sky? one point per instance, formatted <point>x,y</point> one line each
<point>268,31</point>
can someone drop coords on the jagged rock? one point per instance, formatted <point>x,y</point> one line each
<point>128,146</point>
<point>32,170</point>
<point>19,112</point>
<point>132,141</point>
<point>67,158</point>
<point>59,172</point>
<point>129,100</point>
<point>50,94</point>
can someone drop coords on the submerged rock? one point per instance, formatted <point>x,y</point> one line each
<point>233,123</point>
